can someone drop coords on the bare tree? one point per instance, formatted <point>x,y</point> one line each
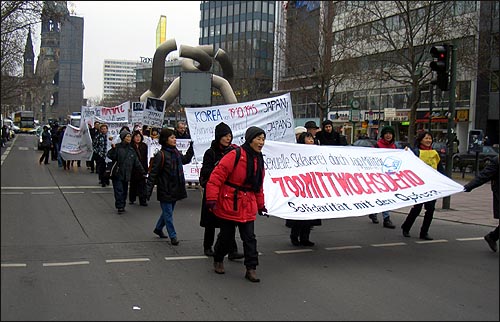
<point>305,52</point>
<point>400,34</point>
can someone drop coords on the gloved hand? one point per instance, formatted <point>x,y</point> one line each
<point>263,212</point>
<point>210,204</point>
<point>467,189</point>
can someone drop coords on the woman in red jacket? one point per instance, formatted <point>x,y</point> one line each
<point>235,194</point>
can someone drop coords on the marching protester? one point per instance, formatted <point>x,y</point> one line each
<point>386,141</point>
<point>239,174</point>
<point>126,161</point>
<point>181,131</point>
<point>302,228</point>
<point>298,131</point>
<point>46,145</point>
<point>137,180</point>
<point>312,128</point>
<point>423,149</point>
<point>327,135</point>
<point>489,173</point>
<point>100,146</point>
<point>220,146</point>
<point>168,174</point>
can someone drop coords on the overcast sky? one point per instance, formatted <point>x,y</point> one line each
<point>127,30</point>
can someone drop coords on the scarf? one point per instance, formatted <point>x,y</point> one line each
<point>176,169</point>
<point>254,177</point>
<point>423,147</point>
<point>381,143</point>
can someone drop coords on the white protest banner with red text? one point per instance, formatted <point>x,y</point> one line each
<point>309,181</point>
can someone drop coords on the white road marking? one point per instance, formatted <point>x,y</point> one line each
<point>23,148</point>
<point>68,192</point>
<point>42,193</point>
<point>12,193</point>
<point>342,247</point>
<point>431,241</point>
<point>293,251</point>
<point>184,257</point>
<point>471,238</point>
<point>66,264</point>
<point>125,260</point>
<point>388,244</point>
<point>13,265</point>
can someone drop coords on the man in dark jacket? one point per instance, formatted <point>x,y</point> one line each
<point>126,159</point>
<point>327,135</point>
<point>489,173</point>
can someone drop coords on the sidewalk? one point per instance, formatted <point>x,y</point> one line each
<point>475,207</point>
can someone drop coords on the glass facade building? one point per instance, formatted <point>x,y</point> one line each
<point>245,31</point>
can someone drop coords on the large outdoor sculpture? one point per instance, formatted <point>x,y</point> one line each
<point>194,59</point>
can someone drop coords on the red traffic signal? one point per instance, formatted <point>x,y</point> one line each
<point>441,66</point>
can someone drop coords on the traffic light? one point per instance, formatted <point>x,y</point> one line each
<point>441,66</point>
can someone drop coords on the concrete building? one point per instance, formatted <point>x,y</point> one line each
<point>374,73</point>
<point>60,62</point>
<point>119,76</point>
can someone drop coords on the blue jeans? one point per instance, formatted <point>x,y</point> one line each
<point>166,218</point>
<point>120,189</point>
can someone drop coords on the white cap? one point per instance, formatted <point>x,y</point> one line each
<point>300,129</point>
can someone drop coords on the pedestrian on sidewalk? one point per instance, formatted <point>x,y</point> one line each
<point>423,149</point>
<point>46,145</point>
<point>221,145</point>
<point>386,141</point>
<point>489,173</point>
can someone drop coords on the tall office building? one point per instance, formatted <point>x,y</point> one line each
<point>161,30</point>
<point>119,76</point>
<point>245,30</point>
<point>60,62</point>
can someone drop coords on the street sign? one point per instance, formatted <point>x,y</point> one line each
<point>354,115</point>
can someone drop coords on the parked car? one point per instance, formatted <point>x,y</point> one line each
<point>368,143</point>
<point>462,160</point>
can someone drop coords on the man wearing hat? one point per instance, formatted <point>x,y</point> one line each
<point>126,159</point>
<point>235,194</point>
<point>313,129</point>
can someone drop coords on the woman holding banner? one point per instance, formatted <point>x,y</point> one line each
<point>137,180</point>
<point>302,228</point>
<point>219,147</point>
<point>423,149</point>
<point>235,195</point>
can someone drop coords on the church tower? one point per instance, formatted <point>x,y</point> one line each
<point>29,57</point>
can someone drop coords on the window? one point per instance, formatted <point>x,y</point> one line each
<point>243,8</point>
<point>236,27</point>
<point>271,7</point>
<point>230,10</point>
<point>224,11</point>
<point>212,13</point>
<point>212,31</point>
<point>249,25</point>
<point>243,24</point>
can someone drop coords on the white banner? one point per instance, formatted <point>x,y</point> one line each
<point>274,115</point>
<point>310,181</point>
<point>76,144</point>
<point>137,114</point>
<point>154,112</point>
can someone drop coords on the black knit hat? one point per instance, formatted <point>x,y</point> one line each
<point>222,129</point>
<point>386,129</point>
<point>253,132</point>
<point>327,122</point>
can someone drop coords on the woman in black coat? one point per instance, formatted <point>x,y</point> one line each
<point>302,228</point>
<point>220,146</point>
<point>137,180</point>
<point>167,173</point>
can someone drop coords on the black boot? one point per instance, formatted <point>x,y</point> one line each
<point>388,223</point>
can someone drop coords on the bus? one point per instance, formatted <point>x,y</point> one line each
<point>25,120</point>
<point>74,119</point>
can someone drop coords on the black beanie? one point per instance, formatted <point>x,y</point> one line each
<point>252,132</point>
<point>386,129</point>
<point>222,129</point>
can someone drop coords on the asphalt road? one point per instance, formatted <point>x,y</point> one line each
<point>67,255</point>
